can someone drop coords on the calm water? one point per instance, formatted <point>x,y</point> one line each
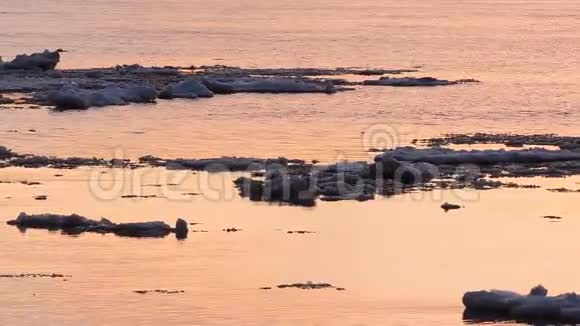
<point>402,260</point>
<point>523,51</point>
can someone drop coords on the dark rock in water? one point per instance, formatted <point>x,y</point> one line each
<point>30,183</point>
<point>284,188</point>
<point>218,164</point>
<point>94,74</point>
<point>345,186</point>
<point>228,164</point>
<point>308,286</point>
<point>139,196</point>
<point>492,300</point>
<point>46,60</point>
<point>302,184</point>
<point>142,229</point>
<point>258,174</point>
<point>32,161</point>
<point>232,230</point>
<point>70,98</point>
<point>106,221</point>
<point>440,156</point>
<point>415,82</point>
<point>134,94</point>
<point>266,85</point>
<point>387,166</point>
<point>6,153</point>
<point>181,229</point>
<point>53,275</point>
<point>250,188</point>
<point>4,100</point>
<point>408,81</point>
<point>291,188</point>
<point>52,221</point>
<point>159,291</point>
<point>485,184</point>
<point>184,82</point>
<point>152,160</point>
<point>421,172</point>
<point>41,197</point>
<point>73,98</point>
<point>136,69</point>
<point>552,217</point>
<point>358,196</point>
<point>535,308</point>
<point>55,74</point>
<point>510,140</point>
<point>539,290</point>
<point>76,224</point>
<point>221,70</point>
<point>447,206</point>
<point>189,88</point>
<point>564,190</point>
<point>514,143</point>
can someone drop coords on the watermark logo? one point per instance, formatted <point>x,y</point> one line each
<point>380,137</point>
<point>277,180</point>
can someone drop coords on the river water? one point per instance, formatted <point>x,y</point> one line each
<point>402,260</point>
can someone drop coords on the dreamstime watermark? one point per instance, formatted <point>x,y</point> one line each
<point>289,181</point>
<point>380,137</point>
<point>179,185</point>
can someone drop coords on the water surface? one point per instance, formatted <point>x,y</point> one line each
<point>402,259</point>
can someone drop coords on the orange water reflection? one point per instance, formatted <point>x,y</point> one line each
<point>402,259</point>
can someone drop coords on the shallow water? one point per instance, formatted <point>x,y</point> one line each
<point>524,52</point>
<point>322,127</point>
<point>402,259</point>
